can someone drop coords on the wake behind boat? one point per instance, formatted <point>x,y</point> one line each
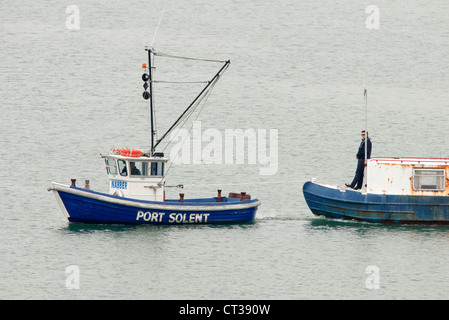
<point>137,183</point>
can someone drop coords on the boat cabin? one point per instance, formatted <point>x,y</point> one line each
<point>136,176</point>
<point>408,176</point>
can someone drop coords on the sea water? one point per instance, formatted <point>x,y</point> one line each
<point>71,89</point>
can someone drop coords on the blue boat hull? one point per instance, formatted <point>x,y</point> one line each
<point>86,206</point>
<point>338,203</point>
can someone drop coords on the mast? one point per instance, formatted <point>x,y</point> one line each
<point>365,95</point>
<point>148,77</point>
<point>150,72</point>
<point>365,169</point>
<point>366,125</point>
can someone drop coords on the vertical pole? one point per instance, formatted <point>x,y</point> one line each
<point>365,169</point>
<point>150,74</point>
<point>366,125</point>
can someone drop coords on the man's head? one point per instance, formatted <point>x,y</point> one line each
<point>363,134</point>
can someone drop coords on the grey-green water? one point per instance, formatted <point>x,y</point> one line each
<point>296,66</point>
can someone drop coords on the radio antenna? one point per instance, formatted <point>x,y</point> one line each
<point>157,28</point>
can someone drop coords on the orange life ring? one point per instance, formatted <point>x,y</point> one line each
<point>135,153</point>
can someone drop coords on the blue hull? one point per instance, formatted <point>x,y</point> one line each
<point>349,204</point>
<point>81,205</point>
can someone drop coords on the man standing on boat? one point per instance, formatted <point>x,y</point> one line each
<point>360,156</point>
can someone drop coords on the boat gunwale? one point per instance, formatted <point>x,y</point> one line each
<point>189,205</point>
<point>366,207</point>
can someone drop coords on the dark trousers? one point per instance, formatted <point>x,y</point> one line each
<point>358,178</point>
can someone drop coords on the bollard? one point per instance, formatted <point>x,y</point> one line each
<point>73,182</point>
<point>181,197</point>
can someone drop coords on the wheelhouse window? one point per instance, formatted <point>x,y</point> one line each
<point>122,167</point>
<point>157,168</point>
<point>429,179</point>
<point>138,168</point>
<point>111,166</point>
<point>146,168</point>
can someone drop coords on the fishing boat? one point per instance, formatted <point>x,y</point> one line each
<point>398,191</point>
<point>137,181</point>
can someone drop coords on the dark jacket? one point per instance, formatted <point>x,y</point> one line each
<point>361,152</point>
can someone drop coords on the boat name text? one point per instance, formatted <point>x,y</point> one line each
<point>172,217</point>
<point>119,184</point>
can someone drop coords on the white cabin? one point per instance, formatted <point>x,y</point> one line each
<point>408,176</point>
<point>138,177</point>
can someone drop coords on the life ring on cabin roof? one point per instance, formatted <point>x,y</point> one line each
<point>134,153</point>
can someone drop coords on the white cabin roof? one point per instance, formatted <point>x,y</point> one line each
<point>411,160</point>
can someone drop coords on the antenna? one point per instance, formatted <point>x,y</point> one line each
<point>365,169</point>
<point>157,28</point>
<point>148,78</point>
<point>365,94</point>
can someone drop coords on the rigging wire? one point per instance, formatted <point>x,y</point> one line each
<point>192,110</point>
<point>195,102</point>
<point>193,106</point>
<point>188,115</point>
<point>206,97</point>
<point>158,24</point>
<point>160,54</point>
<point>189,82</point>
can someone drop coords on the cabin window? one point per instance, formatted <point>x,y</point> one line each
<point>429,179</point>
<point>146,168</point>
<point>157,168</point>
<point>122,167</point>
<point>111,166</point>
<point>138,168</point>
